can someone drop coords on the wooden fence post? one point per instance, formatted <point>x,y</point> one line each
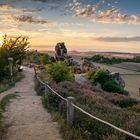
<point>70,110</point>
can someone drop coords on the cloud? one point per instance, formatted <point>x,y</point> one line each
<point>40,0</point>
<point>38,9</point>
<point>11,8</point>
<point>6,6</point>
<point>30,19</point>
<point>52,1</point>
<point>99,13</point>
<point>14,15</point>
<point>118,39</point>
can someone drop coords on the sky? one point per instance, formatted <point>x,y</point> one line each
<point>84,25</point>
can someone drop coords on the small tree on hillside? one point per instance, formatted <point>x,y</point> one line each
<point>44,59</point>
<point>12,47</point>
<point>60,71</point>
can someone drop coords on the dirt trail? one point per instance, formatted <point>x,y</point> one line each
<point>25,117</point>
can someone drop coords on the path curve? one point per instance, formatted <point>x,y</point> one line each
<point>25,117</point>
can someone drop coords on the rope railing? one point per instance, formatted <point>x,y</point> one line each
<point>92,116</point>
<point>40,80</point>
<point>56,93</point>
<point>107,123</point>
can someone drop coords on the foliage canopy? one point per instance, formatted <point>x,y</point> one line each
<point>107,83</point>
<point>12,47</point>
<point>60,71</point>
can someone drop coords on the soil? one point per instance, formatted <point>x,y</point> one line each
<point>25,117</point>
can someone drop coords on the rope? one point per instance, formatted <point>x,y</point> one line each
<point>100,120</point>
<point>51,89</point>
<point>107,123</point>
<point>40,80</point>
<point>57,93</point>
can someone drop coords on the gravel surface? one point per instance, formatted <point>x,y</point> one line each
<point>25,117</point>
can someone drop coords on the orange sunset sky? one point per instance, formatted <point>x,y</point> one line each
<point>92,25</point>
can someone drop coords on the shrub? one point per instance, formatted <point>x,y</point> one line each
<point>60,71</point>
<point>123,101</point>
<point>90,74</point>
<point>85,128</point>
<point>45,59</point>
<point>112,86</point>
<point>97,76</point>
<point>101,77</point>
<point>135,108</point>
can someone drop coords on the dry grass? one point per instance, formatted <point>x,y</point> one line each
<point>129,66</point>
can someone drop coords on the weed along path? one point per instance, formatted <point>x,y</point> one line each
<point>25,117</point>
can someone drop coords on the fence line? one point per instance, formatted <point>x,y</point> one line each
<point>107,123</point>
<point>57,93</point>
<point>83,111</point>
<point>40,80</point>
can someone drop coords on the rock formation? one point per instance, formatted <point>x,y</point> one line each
<point>60,51</point>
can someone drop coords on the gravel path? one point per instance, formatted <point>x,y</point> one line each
<point>25,117</point>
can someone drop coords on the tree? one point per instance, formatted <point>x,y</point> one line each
<point>60,71</point>
<point>44,59</point>
<point>12,47</point>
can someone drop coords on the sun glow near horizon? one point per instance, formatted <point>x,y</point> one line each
<point>1,40</point>
<point>110,29</point>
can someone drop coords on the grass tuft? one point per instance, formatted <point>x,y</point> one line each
<point>6,84</point>
<point>6,100</point>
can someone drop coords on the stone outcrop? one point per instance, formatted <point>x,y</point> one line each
<point>60,51</point>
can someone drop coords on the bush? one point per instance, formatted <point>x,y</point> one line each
<point>90,74</point>
<point>112,86</point>
<point>102,105</point>
<point>15,48</point>
<point>45,59</point>
<point>135,108</point>
<point>123,101</point>
<point>60,71</point>
<point>97,76</point>
<point>101,77</point>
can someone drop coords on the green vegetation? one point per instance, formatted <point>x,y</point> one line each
<point>60,71</point>
<point>112,86</point>
<point>105,60</point>
<point>112,60</point>
<point>115,108</point>
<point>101,77</point>
<point>36,57</point>
<point>137,59</point>
<point>67,131</point>
<point>135,108</point>
<point>45,59</point>
<point>15,48</point>
<point>6,100</point>
<point>3,103</point>
<point>6,84</point>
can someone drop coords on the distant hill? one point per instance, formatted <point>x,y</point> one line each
<point>77,54</point>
